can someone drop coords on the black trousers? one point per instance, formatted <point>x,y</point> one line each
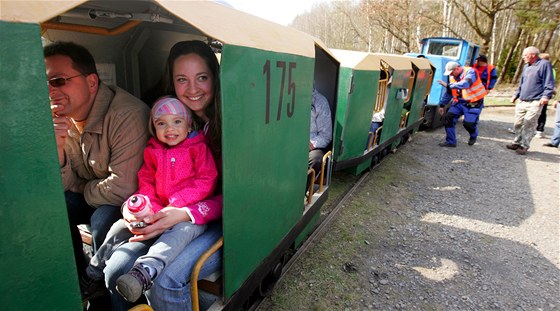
<point>542,119</point>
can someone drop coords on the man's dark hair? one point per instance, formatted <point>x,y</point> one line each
<point>82,60</point>
<point>482,58</point>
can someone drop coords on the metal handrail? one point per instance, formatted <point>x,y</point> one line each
<point>326,156</point>
<point>311,185</point>
<point>196,271</point>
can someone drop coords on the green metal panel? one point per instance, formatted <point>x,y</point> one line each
<point>37,261</point>
<point>400,74</point>
<point>392,114</point>
<point>344,85</point>
<point>263,186</point>
<point>358,169</point>
<point>355,107</point>
<point>308,229</point>
<point>421,83</point>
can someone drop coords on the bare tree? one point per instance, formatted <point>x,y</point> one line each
<point>501,27</point>
<point>480,16</point>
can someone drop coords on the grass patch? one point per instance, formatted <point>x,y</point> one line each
<point>497,101</point>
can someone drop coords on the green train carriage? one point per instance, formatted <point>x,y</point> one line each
<point>267,74</point>
<point>358,91</point>
<point>368,84</point>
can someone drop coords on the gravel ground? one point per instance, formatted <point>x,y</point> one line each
<point>466,228</point>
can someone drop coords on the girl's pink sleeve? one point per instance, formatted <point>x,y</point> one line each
<point>147,180</point>
<point>206,211</point>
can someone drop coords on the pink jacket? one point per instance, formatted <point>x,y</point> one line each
<point>180,176</point>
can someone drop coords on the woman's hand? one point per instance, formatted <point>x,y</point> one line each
<point>157,223</point>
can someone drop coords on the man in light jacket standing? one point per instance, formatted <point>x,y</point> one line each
<point>535,90</point>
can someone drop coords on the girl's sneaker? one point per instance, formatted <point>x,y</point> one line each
<point>133,284</point>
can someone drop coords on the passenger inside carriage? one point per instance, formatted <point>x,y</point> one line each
<point>320,132</point>
<point>192,75</point>
<point>98,172</point>
<point>378,116</point>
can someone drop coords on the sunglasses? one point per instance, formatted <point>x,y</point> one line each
<point>58,82</point>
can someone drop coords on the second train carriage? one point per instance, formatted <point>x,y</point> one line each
<point>267,74</point>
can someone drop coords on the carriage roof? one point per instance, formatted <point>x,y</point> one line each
<point>216,20</point>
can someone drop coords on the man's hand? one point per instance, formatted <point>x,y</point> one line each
<point>61,127</point>
<point>444,84</point>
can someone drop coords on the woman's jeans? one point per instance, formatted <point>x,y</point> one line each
<point>171,289</point>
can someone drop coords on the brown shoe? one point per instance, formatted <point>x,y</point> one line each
<point>520,150</point>
<point>513,146</point>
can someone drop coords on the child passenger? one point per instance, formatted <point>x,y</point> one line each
<point>178,170</point>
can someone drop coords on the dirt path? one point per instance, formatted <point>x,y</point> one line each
<point>466,228</point>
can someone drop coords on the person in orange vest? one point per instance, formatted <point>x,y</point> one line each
<point>488,73</point>
<point>466,92</point>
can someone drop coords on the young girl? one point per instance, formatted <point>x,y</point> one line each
<point>178,171</point>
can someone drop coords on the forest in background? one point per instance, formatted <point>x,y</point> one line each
<point>502,28</point>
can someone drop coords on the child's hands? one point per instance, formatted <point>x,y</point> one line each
<point>132,222</point>
<point>158,223</point>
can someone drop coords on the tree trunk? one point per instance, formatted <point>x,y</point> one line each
<point>519,70</point>
<point>510,55</point>
<point>548,39</point>
<point>503,35</point>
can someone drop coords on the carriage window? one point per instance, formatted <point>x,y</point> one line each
<point>469,61</point>
<point>408,91</point>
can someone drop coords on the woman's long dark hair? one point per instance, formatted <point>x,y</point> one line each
<point>213,111</point>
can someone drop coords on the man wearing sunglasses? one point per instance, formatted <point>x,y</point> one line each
<point>101,132</point>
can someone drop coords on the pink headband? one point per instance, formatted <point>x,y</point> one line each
<point>171,105</point>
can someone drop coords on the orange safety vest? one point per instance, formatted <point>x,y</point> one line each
<point>489,69</point>
<point>476,92</point>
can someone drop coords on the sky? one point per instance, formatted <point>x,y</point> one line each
<point>279,11</point>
